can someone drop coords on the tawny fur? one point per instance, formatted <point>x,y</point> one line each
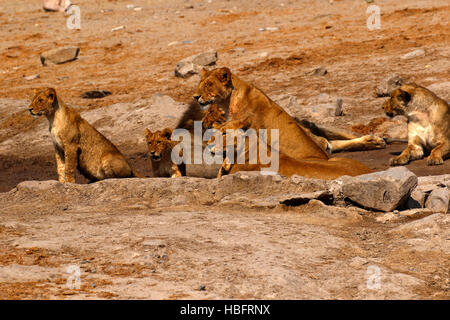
<point>160,148</point>
<point>245,101</point>
<point>428,124</point>
<point>327,169</point>
<point>77,144</point>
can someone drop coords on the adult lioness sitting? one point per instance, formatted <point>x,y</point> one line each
<point>428,123</point>
<point>244,101</point>
<point>78,144</point>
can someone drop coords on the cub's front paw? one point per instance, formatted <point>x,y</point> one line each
<point>375,142</point>
<point>434,161</point>
<point>398,161</point>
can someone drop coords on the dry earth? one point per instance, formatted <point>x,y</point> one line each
<point>136,249</point>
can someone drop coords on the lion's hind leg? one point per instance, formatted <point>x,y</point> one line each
<point>114,166</point>
<point>358,144</point>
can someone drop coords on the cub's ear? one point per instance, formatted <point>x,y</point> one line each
<point>147,132</point>
<point>204,73</point>
<point>224,75</point>
<point>51,94</point>
<point>167,132</point>
<point>404,96</point>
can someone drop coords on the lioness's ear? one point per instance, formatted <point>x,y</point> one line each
<point>225,75</point>
<point>167,132</point>
<point>204,73</point>
<point>404,96</point>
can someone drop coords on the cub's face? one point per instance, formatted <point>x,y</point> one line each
<point>43,102</point>
<point>215,87</point>
<point>158,142</point>
<point>397,103</point>
<point>232,125</point>
<point>214,116</point>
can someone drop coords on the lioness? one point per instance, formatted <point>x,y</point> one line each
<point>78,144</point>
<point>428,123</point>
<point>322,169</point>
<point>160,148</point>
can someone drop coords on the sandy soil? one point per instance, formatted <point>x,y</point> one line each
<point>234,254</point>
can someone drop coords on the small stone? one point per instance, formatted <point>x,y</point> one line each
<point>438,200</point>
<point>95,94</point>
<point>60,55</point>
<point>416,199</point>
<point>338,111</point>
<point>32,77</point>
<point>118,28</point>
<point>414,54</point>
<point>320,71</point>
<point>194,64</point>
<point>388,85</point>
<point>264,54</point>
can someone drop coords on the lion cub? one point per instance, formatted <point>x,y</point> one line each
<point>78,144</point>
<point>160,148</point>
<point>428,123</point>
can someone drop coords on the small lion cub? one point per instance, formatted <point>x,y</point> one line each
<point>160,148</point>
<point>77,143</point>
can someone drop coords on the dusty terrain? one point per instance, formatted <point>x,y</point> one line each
<point>134,249</point>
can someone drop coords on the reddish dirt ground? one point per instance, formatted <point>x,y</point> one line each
<point>312,254</point>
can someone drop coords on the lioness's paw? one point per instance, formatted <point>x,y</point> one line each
<point>398,161</point>
<point>376,142</point>
<point>434,161</point>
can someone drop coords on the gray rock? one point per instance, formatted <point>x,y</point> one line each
<point>194,64</point>
<point>389,84</point>
<point>60,55</point>
<point>338,111</point>
<point>32,77</point>
<point>383,191</point>
<point>416,199</point>
<point>438,201</point>
<point>414,54</point>
<point>320,71</point>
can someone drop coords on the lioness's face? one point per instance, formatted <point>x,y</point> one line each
<point>43,102</point>
<point>397,103</point>
<point>215,87</point>
<point>158,142</point>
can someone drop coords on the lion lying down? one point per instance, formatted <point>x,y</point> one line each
<point>77,144</point>
<point>321,169</point>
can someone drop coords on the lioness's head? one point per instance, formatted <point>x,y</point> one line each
<point>215,87</point>
<point>158,142</point>
<point>397,103</point>
<point>43,103</point>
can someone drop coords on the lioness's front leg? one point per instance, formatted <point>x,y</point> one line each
<point>438,154</point>
<point>60,167</point>
<point>413,151</point>
<point>70,155</point>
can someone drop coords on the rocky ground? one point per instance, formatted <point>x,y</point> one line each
<point>130,238</point>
